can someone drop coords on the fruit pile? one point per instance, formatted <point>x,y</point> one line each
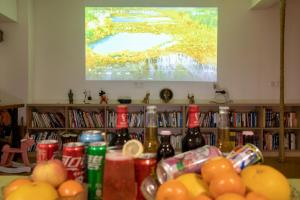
<point>220,181</point>
<point>47,182</point>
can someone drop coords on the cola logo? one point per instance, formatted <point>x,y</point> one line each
<point>72,163</point>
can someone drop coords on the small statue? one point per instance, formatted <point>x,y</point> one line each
<point>221,96</point>
<point>146,98</point>
<point>103,97</point>
<point>85,96</point>
<point>191,99</point>
<point>70,94</point>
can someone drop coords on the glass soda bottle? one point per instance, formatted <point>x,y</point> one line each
<point>224,143</point>
<point>151,141</point>
<point>165,149</point>
<point>193,138</point>
<point>121,136</point>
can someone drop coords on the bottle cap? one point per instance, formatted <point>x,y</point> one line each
<point>165,133</point>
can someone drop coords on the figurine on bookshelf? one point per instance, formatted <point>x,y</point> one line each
<point>70,95</point>
<point>191,99</point>
<point>146,98</point>
<point>87,96</point>
<point>103,97</point>
<point>221,95</point>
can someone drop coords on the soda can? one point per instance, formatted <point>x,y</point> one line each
<point>89,136</point>
<point>244,156</point>
<point>95,166</point>
<point>189,161</point>
<point>47,150</point>
<point>144,166</point>
<point>73,155</point>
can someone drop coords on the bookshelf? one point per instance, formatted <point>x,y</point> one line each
<point>261,119</point>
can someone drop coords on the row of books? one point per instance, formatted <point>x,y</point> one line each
<point>290,120</point>
<point>45,135</point>
<point>171,119</point>
<point>272,119</point>
<point>83,119</point>
<point>240,138</point>
<point>47,120</point>
<point>135,119</point>
<point>243,119</point>
<point>271,141</point>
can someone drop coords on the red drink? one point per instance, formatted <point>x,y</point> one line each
<point>119,182</point>
<point>73,158</point>
<point>46,150</point>
<point>144,166</point>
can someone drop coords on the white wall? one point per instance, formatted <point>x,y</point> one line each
<point>8,10</point>
<point>248,54</point>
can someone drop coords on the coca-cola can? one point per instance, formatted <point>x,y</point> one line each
<point>46,150</point>
<point>144,166</point>
<point>190,161</point>
<point>73,160</point>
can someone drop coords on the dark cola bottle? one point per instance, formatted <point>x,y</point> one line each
<point>165,149</point>
<point>121,136</point>
<point>193,138</point>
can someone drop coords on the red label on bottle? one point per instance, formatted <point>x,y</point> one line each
<point>193,116</point>
<point>122,119</point>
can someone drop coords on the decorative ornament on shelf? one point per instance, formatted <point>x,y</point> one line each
<point>221,96</point>
<point>70,95</point>
<point>87,96</point>
<point>103,97</point>
<point>191,99</point>
<point>146,98</point>
<point>166,95</point>
<point>1,36</point>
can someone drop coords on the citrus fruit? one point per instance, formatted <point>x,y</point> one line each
<point>230,196</point>
<point>133,148</point>
<point>13,185</point>
<point>70,188</point>
<point>214,167</point>
<point>267,181</point>
<point>194,184</point>
<point>172,189</point>
<point>34,191</point>
<point>255,196</point>
<point>202,197</point>
<point>228,182</point>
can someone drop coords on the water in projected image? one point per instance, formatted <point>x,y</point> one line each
<point>162,44</point>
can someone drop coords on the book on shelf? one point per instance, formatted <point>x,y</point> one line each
<point>290,120</point>
<point>243,119</point>
<point>47,120</point>
<point>271,141</point>
<point>272,119</point>
<point>170,119</point>
<point>84,119</point>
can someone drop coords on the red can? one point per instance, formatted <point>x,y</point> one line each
<point>145,166</point>
<point>46,150</point>
<point>73,160</point>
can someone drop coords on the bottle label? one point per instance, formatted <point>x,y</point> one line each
<point>122,120</point>
<point>193,119</point>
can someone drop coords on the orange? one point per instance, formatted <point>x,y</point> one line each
<point>13,185</point>
<point>70,188</point>
<point>267,181</point>
<point>202,197</point>
<point>230,196</point>
<point>172,189</point>
<point>214,167</point>
<point>255,196</point>
<point>226,183</point>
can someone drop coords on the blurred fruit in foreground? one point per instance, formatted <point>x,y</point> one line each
<point>172,189</point>
<point>15,184</point>
<point>194,184</point>
<point>34,191</point>
<point>228,182</point>
<point>255,196</point>
<point>215,166</point>
<point>133,148</point>
<point>70,188</point>
<point>51,171</point>
<point>267,181</point>
<point>202,197</point>
<point>230,196</point>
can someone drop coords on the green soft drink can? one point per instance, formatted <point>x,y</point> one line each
<point>96,157</point>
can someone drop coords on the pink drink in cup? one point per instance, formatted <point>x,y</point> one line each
<point>119,180</point>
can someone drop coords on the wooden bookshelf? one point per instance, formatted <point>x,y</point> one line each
<point>243,110</point>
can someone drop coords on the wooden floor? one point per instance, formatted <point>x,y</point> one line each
<point>290,167</point>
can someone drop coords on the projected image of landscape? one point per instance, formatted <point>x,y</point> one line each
<point>159,44</point>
